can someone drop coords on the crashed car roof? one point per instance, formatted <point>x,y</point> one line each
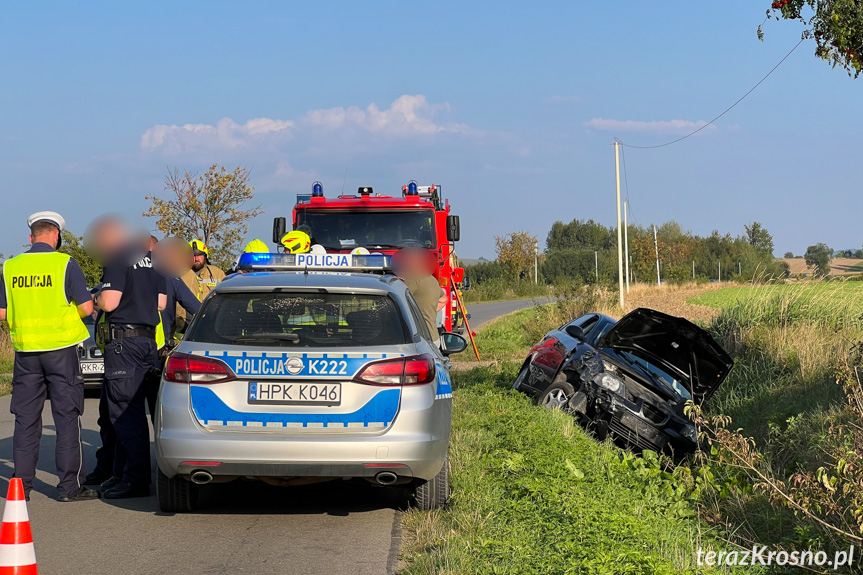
<point>674,343</point>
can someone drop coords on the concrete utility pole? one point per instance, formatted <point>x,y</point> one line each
<point>536,263</point>
<point>596,264</point>
<point>693,269</point>
<point>656,249</point>
<point>619,238</point>
<point>626,242</point>
<point>719,271</point>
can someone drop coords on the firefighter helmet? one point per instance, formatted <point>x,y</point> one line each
<point>296,242</point>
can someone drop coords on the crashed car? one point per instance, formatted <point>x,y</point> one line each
<point>629,379</point>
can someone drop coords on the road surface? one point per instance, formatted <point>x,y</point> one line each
<point>482,313</point>
<point>242,527</point>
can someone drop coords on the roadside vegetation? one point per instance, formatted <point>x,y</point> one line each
<point>781,462</point>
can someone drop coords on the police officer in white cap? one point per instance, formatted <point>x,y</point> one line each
<point>43,297</point>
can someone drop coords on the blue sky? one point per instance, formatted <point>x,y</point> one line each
<point>511,107</point>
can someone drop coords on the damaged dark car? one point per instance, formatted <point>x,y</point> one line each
<point>628,379</point>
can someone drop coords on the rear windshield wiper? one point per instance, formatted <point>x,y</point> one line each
<point>271,336</point>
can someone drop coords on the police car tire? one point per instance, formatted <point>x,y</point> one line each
<point>435,492</point>
<point>175,495</point>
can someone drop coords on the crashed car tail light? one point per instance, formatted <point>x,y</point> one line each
<point>413,370</point>
<point>185,368</point>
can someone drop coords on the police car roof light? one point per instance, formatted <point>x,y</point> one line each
<point>316,262</point>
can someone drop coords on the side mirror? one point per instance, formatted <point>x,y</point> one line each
<point>451,343</point>
<point>280,226</point>
<point>458,275</point>
<point>453,229</point>
<point>575,331</point>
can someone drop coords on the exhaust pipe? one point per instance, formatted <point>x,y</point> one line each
<point>386,478</point>
<point>201,477</point>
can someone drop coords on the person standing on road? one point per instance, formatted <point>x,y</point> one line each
<point>43,297</point>
<point>415,267</point>
<point>201,279</point>
<point>132,295</point>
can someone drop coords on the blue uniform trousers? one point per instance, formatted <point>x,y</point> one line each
<point>122,416</point>
<point>36,373</point>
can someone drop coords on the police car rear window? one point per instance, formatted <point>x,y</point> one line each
<point>278,319</point>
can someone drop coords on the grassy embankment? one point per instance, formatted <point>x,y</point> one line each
<point>534,493</point>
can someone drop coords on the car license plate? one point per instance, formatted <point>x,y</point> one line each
<point>280,393</point>
<point>93,367</point>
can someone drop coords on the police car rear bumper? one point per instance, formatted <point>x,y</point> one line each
<point>406,455</point>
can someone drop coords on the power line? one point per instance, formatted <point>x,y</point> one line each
<point>728,109</point>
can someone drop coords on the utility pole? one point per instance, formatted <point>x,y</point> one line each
<point>596,264</point>
<point>739,269</point>
<point>719,272</point>
<point>626,242</point>
<point>656,249</point>
<point>619,238</point>
<point>693,269</point>
<point>536,263</point>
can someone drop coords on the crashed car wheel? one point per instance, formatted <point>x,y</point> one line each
<point>556,395</point>
<point>521,377</point>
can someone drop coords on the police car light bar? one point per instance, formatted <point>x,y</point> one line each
<point>315,262</point>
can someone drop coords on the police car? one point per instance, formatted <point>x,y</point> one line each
<point>306,366</point>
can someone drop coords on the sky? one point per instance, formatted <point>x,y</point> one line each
<point>510,107</point>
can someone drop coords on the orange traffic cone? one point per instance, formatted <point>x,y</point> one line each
<point>17,555</point>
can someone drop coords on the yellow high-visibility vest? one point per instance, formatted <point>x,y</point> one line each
<point>40,318</point>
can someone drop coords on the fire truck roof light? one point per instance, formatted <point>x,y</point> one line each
<point>366,190</point>
<point>318,190</point>
<point>412,188</point>
<point>315,262</point>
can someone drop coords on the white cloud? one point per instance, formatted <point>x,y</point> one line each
<point>226,134</point>
<point>407,116</point>
<point>655,127</point>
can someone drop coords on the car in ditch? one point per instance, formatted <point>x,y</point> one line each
<point>630,378</point>
<point>306,368</point>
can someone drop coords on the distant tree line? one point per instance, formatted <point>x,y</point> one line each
<point>586,251</point>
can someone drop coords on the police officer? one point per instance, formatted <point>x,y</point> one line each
<point>131,296</point>
<point>43,297</point>
<point>201,279</point>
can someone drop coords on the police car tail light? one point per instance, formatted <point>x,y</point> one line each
<point>185,368</point>
<point>413,370</point>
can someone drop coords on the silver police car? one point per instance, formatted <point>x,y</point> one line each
<point>306,374</point>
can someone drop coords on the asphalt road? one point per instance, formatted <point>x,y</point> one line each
<point>482,313</point>
<point>243,527</point>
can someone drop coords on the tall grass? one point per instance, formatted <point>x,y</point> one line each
<point>499,289</point>
<point>7,354</point>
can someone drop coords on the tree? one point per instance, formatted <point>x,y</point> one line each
<point>759,238</point>
<point>207,207</point>
<point>788,255</point>
<point>819,256</point>
<point>835,25</point>
<point>74,246</point>
<point>515,252</point>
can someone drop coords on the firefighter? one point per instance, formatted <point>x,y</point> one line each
<point>201,279</point>
<point>43,297</point>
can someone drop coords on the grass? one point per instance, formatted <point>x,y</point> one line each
<point>505,290</point>
<point>533,493</point>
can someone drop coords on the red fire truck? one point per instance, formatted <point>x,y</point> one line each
<point>420,217</point>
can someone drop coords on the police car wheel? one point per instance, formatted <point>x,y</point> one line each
<point>435,492</point>
<point>175,495</point>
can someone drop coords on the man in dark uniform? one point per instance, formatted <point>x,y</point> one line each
<point>132,296</point>
<point>43,296</point>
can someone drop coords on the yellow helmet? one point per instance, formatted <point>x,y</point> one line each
<point>296,242</point>
<point>198,248</point>
<point>256,247</point>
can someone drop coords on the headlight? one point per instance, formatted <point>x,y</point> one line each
<point>609,381</point>
<point>690,433</point>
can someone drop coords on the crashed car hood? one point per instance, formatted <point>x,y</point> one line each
<point>680,346</point>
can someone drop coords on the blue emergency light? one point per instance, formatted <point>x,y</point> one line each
<point>317,190</point>
<point>412,188</point>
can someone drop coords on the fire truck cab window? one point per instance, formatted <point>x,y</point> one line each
<point>392,229</point>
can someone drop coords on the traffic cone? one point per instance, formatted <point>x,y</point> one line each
<point>17,554</point>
